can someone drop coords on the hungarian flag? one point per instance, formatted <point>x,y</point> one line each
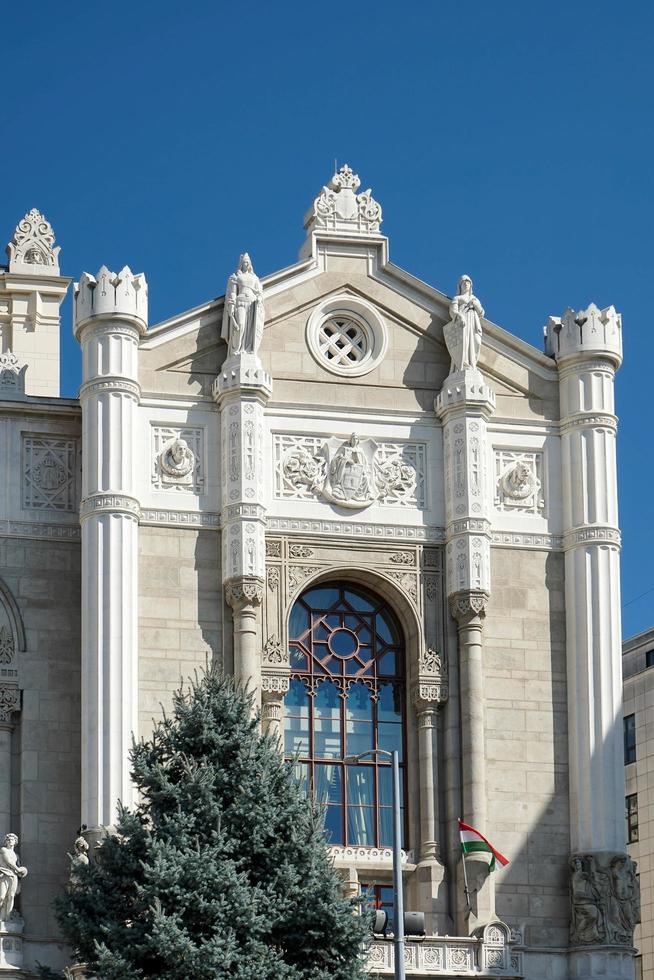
<point>472,840</point>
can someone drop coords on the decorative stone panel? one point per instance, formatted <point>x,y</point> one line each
<point>177,459</point>
<point>49,473</point>
<point>519,481</point>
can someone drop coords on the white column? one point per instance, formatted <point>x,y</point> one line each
<point>464,405</point>
<point>110,317</point>
<point>588,350</point>
<point>242,390</point>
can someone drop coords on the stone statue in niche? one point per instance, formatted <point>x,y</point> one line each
<point>11,873</point>
<point>244,313</point>
<point>350,479</point>
<point>177,461</point>
<point>463,332</point>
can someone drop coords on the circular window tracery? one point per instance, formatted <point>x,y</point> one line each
<point>347,336</point>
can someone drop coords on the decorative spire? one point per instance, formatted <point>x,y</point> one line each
<point>32,248</point>
<point>338,208</point>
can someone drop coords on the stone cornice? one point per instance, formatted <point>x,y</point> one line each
<point>111,383</point>
<point>591,534</point>
<point>592,420</point>
<point>109,503</point>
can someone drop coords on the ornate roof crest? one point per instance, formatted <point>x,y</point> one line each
<point>338,208</point>
<point>33,246</point>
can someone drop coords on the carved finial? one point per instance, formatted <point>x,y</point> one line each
<point>109,294</point>
<point>338,208</point>
<point>32,248</point>
<point>591,331</point>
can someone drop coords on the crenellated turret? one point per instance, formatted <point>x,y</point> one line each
<point>110,294</point>
<point>591,331</point>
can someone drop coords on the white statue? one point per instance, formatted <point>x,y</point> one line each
<point>178,460</point>
<point>244,313</point>
<point>10,874</point>
<point>463,332</point>
<point>80,859</point>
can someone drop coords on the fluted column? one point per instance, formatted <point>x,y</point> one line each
<point>464,406</point>
<point>110,317</point>
<point>588,349</point>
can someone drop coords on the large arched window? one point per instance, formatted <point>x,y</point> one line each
<point>346,696</point>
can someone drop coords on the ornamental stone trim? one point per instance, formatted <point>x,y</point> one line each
<point>9,701</point>
<point>32,248</point>
<point>274,683</point>
<point>592,534</point>
<point>589,420</point>
<point>367,855</point>
<point>111,383</point>
<point>356,529</point>
<point>180,518</point>
<point>469,525</point>
<point>517,539</point>
<point>109,503</point>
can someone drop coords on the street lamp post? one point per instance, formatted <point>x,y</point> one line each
<point>398,894</point>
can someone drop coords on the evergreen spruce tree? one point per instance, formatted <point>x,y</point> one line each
<point>221,871</point>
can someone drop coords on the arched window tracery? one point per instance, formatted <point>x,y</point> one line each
<point>346,696</point>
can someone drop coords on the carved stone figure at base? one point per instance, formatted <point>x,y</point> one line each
<point>604,899</point>
<point>80,859</point>
<point>11,873</point>
<point>463,332</point>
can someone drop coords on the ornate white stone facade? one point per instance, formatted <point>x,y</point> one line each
<point>336,422</point>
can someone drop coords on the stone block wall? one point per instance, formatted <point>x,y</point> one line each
<point>44,578</point>
<point>526,741</point>
<point>180,612</point>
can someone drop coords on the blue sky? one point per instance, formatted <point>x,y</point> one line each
<point>509,140</point>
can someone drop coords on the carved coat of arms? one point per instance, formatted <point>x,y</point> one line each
<point>350,479</point>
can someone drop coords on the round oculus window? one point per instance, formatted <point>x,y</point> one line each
<point>347,336</point>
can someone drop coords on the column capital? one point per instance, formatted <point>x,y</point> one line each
<point>468,607</point>
<point>242,375</point>
<point>244,591</point>
<point>465,392</point>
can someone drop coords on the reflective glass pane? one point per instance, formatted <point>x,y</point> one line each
<point>296,742</point>
<point>296,658</point>
<point>343,643</point>
<point>389,705</point>
<point>364,634</point>
<point>320,598</point>
<point>357,601</point>
<point>328,783</point>
<point>360,785</point>
<point>333,621</point>
<point>300,772</point>
<point>361,825</point>
<point>386,786</point>
<point>359,737</point>
<point>385,630</point>
<point>358,703</point>
<point>389,737</point>
<point>386,663</point>
<point>327,702</point>
<point>327,739</point>
<point>296,701</point>
<point>352,622</point>
<point>299,622</point>
<point>386,826</point>
<point>334,825</point>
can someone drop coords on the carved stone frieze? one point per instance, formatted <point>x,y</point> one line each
<point>274,683</point>
<point>9,700</point>
<point>403,557</point>
<point>272,577</point>
<point>354,473</point>
<point>407,583</point>
<point>273,549</point>
<point>300,551</point>
<point>604,899</point>
<point>33,245</point>
<point>110,503</point>
<point>7,645</point>
<point>244,591</point>
<point>297,574</point>
<point>12,376</point>
<point>356,529</point>
<point>430,693</point>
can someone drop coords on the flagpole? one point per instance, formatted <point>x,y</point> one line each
<point>466,890</point>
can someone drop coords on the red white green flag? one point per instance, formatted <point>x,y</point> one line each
<point>472,841</point>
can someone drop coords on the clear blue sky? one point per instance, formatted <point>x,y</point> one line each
<point>509,140</point>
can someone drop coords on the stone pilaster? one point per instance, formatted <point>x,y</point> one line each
<point>242,390</point>
<point>9,704</point>
<point>587,347</point>
<point>110,318</point>
<point>464,405</point>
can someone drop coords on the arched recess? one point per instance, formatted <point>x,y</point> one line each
<point>373,580</point>
<point>12,643</point>
<point>411,626</point>
<point>13,615</point>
